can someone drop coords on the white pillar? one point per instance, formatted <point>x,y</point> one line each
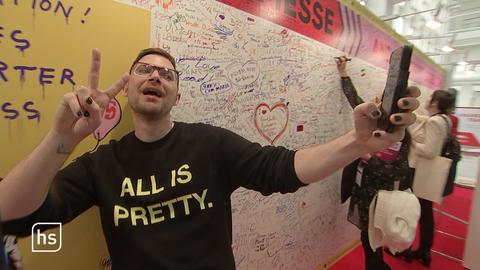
<point>471,260</point>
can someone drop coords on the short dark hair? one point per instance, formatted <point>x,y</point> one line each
<point>444,99</point>
<point>156,51</point>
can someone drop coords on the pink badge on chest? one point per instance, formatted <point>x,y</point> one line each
<point>390,154</point>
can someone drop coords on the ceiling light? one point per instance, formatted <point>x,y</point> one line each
<point>398,25</point>
<point>434,24</point>
<point>362,2</point>
<point>447,49</point>
<point>463,61</point>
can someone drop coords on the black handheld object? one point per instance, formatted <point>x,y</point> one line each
<point>396,86</point>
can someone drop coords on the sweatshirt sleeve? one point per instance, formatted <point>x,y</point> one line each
<point>266,169</point>
<point>350,92</point>
<point>70,194</point>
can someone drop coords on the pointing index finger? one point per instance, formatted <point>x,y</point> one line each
<point>94,74</point>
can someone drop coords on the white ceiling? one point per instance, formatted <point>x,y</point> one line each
<point>459,28</point>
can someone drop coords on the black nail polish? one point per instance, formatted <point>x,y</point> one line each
<point>79,113</point>
<point>86,113</point>
<point>89,100</point>
<point>375,114</point>
<point>397,118</point>
<point>405,102</point>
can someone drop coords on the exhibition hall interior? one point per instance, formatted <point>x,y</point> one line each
<point>239,134</point>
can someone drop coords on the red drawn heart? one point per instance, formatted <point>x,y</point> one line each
<point>271,122</point>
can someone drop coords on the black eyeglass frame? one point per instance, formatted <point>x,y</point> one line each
<point>157,68</point>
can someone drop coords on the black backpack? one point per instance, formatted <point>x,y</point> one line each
<point>451,150</point>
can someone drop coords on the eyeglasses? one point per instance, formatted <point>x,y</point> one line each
<point>144,69</point>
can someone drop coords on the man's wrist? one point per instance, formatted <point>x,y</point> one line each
<point>62,144</point>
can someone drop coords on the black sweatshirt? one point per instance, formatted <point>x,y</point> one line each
<point>166,204</point>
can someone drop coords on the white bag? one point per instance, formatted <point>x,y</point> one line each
<point>430,177</point>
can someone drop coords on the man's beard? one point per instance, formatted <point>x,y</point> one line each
<point>149,112</point>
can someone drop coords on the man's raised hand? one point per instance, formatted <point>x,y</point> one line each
<point>80,112</point>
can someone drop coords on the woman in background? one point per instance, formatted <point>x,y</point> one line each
<point>428,138</point>
<point>362,179</point>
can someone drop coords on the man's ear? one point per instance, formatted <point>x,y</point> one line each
<point>178,98</point>
<point>125,88</point>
